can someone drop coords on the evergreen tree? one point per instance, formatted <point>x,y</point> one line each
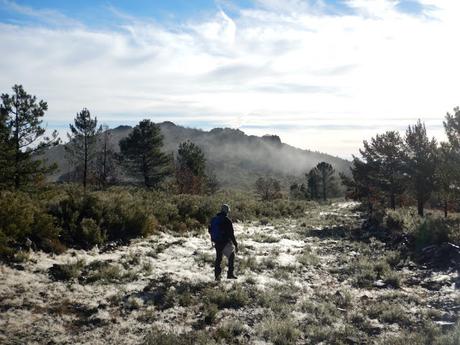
<point>313,183</point>
<point>386,154</point>
<point>420,163</point>
<point>361,185</point>
<point>142,155</point>
<point>447,175</point>
<point>23,138</point>
<point>5,148</point>
<point>326,178</point>
<point>190,168</point>
<point>81,148</point>
<point>452,128</point>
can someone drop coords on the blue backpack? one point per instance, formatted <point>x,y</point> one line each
<point>216,230</point>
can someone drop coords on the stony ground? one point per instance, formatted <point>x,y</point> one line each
<point>301,281</point>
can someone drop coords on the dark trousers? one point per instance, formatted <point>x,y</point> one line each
<point>231,260</point>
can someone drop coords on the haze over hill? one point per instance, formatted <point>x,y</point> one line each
<point>235,158</point>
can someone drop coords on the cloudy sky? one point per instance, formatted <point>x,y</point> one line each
<point>322,74</point>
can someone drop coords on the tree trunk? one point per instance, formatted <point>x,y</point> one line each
<point>104,164</point>
<point>392,201</point>
<point>420,207</point>
<point>324,189</point>
<point>85,168</point>
<point>17,148</point>
<point>445,208</point>
<point>145,172</point>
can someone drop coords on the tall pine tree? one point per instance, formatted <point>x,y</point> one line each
<point>142,156</point>
<point>326,178</point>
<point>452,128</point>
<point>22,138</point>
<point>447,175</point>
<point>420,163</point>
<point>386,154</point>
<point>190,168</point>
<point>81,148</point>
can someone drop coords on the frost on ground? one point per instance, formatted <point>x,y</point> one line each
<point>300,281</point>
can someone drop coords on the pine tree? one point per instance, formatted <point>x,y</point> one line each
<point>420,163</point>
<point>447,175</point>
<point>361,185</point>
<point>313,183</point>
<point>23,138</point>
<point>142,155</point>
<point>386,154</point>
<point>190,168</point>
<point>6,151</point>
<point>81,148</point>
<point>452,128</point>
<point>326,178</point>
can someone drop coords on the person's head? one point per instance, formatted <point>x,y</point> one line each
<point>225,209</point>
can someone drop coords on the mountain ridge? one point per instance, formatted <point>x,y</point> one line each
<point>237,159</point>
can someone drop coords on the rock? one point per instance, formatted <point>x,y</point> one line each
<point>379,284</point>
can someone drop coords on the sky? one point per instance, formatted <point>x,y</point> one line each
<point>324,75</point>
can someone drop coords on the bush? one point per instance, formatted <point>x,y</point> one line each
<point>23,218</point>
<point>63,215</point>
<point>161,337</point>
<point>431,231</point>
<point>230,330</point>
<point>280,331</point>
<point>71,270</point>
<point>235,298</point>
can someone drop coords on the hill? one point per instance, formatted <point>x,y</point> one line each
<point>236,159</point>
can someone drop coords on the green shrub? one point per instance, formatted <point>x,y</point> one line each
<point>431,231</point>
<point>280,331</point>
<point>308,258</point>
<point>389,313</point>
<point>234,298</point>
<point>103,272</point>
<point>229,330</point>
<point>22,218</point>
<point>210,312</point>
<point>160,337</point>
<point>71,270</point>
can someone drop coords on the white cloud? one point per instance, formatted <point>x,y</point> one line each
<point>320,81</point>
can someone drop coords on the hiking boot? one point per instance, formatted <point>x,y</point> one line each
<point>231,276</point>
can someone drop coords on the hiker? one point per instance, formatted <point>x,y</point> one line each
<point>223,237</point>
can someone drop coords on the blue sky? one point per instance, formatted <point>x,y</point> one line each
<point>99,13</point>
<point>322,74</point>
<point>93,12</point>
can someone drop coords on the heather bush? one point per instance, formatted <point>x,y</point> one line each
<point>22,218</point>
<point>64,215</point>
<point>434,228</point>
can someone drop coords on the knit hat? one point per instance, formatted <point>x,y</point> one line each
<point>225,208</point>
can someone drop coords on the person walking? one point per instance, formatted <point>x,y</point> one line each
<point>223,238</point>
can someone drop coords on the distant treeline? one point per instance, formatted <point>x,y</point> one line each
<point>413,169</point>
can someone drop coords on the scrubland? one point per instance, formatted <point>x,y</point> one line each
<point>318,277</point>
